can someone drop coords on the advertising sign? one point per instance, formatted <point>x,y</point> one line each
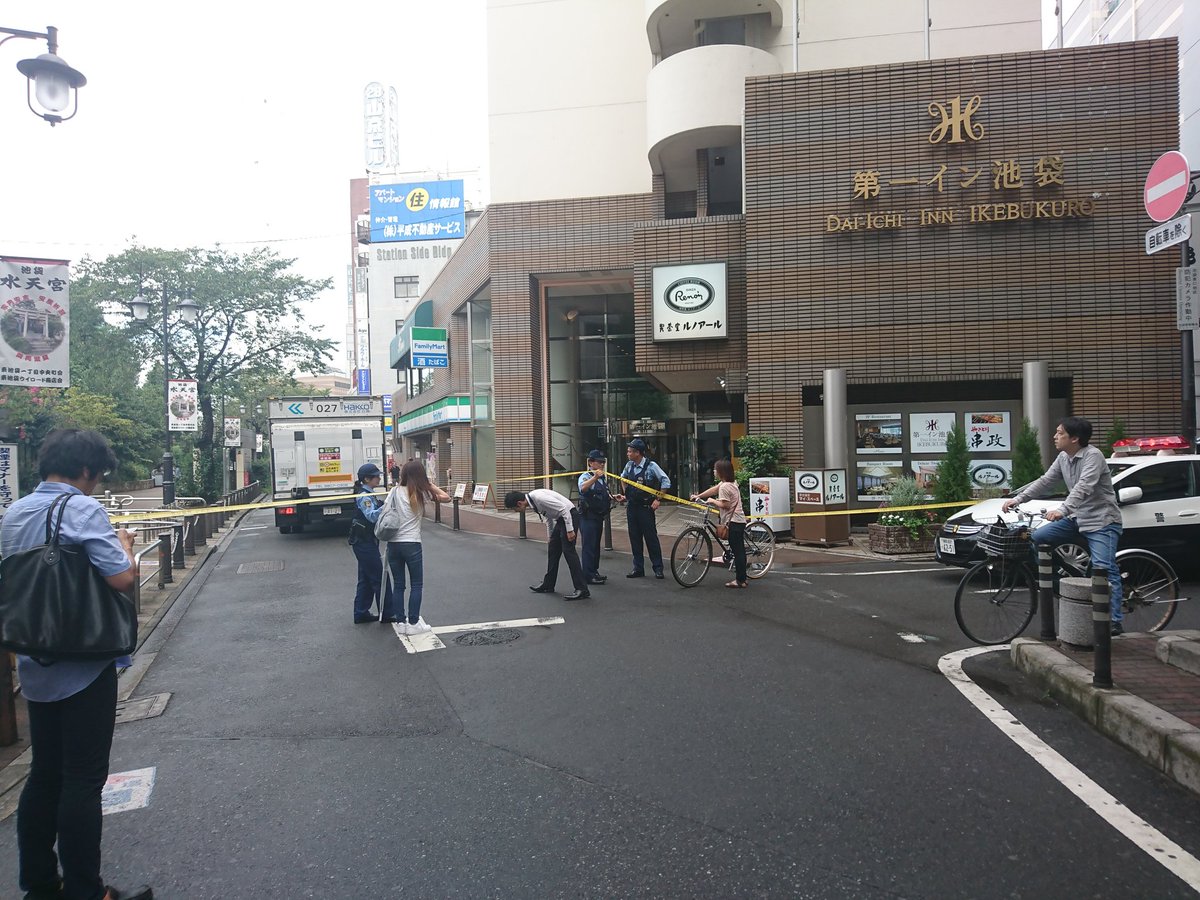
<point>810,487</point>
<point>35,323</point>
<point>876,477</point>
<point>991,473</point>
<point>987,432</point>
<point>690,302</point>
<point>381,144</point>
<point>835,486</point>
<point>233,431</point>
<point>927,432</point>
<point>1187,298</point>
<point>183,405</point>
<point>10,490</point>
<point>878,433</point>
<point>479,495</point>
<point>362,381</point>
<point>430,348</point>
<point>460,490</point>
<point>421,211</point>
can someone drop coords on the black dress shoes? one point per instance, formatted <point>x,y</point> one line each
<point>600,580</point>
<point>539,589</point>
<point>138,893</point>
<point>636,574</point>
<point>658,575</point>
<point>577,595</point>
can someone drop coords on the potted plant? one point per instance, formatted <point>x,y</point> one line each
<point>905,531</point>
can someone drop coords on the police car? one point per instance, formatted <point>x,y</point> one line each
<point>1159,497</point>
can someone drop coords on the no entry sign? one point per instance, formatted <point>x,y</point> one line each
<point>1166,186</point>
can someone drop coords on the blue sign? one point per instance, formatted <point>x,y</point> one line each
<point>425,211</point>
<point>387,403</point>
<point>363,377</point>
<point>431,362</point>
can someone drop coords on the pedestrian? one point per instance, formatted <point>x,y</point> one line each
<point>371,585</point>
<point>562,525</point>
<point>1090,510</point>
<point>72,704</point>
<point>640,506</point>
<point>594,503</point>
<point>727,497</point>
<point>404,551</point>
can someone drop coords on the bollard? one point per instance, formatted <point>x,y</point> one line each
<point>164,559</point>
<point>608,530</point>
<point>189,535</point>
<point>456,527</point>
<point>1102,629</point>
<point>8,703</point>
<point>177,546</point>
<point>437,512</point>
<point>522,534</point>
<point>1045,568</point>
<point>201,530</point>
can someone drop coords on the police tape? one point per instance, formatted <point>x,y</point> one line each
<point>184,511</point>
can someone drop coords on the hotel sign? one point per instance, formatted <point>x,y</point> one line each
<point>690,302</point>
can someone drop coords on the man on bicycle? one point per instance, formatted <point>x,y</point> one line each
<point>1090,509</point>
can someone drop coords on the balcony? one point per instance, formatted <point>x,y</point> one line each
<point>671,25</point>
<point>696,100</point>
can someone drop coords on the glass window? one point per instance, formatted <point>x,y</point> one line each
<point>406,286</point>
<point>1165,481</point>
<point>591,360</point>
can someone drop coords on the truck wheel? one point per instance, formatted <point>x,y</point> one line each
<point>285,529</point>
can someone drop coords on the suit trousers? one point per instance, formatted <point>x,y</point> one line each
<point>559,547</point>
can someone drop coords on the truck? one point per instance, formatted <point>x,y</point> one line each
<point>317,446</point>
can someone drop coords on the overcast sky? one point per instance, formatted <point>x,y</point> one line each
<point>232,123</point>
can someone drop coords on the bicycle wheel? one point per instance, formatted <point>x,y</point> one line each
<point>995,600</point>
<point>760,549</point>
<point>690,556</point>
<point>1149,587</point>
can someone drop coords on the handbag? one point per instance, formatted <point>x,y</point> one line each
<point>54,604</point>
<point>722,532</point>
<point>387,526</point>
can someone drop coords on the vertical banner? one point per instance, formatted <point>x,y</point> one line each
<point>10,489</point>
<point>35,327</point>
<point>183,405</point>
<point>233,431</point>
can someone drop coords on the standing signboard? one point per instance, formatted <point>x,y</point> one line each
<point>820,490</point>
<point>35,323</point>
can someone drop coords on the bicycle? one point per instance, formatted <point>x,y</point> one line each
<point>692,553</point>
<point>998,597</point>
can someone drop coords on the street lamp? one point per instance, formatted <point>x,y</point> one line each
<point>49,79</point>
<point>187,309</point>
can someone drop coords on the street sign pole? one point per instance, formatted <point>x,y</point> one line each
<point>1187,344</point>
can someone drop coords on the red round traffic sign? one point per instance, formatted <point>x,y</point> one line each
<point>1166,186</point>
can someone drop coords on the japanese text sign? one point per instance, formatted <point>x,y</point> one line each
<point>425,211</point>
<point>35,327</point>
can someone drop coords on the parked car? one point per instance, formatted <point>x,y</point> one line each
<point>1160,506</point>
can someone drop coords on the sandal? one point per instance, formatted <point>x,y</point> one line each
<point>735,584</point>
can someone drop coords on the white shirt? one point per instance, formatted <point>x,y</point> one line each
<point>553,507</point>
<point>410,519</point>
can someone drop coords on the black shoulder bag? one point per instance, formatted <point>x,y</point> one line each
<point>54,604</point>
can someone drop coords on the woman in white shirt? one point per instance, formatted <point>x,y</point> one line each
<point>726,497</point>
<point>404,551</point>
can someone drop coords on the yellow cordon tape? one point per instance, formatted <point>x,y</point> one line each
<point>200,510</point>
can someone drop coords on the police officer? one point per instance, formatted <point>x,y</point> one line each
<point>594,505</point>
<point>640,507</point>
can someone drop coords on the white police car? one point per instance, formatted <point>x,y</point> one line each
<point>1159,498</point>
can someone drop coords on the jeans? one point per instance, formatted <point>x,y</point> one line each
<point>642,528</point>
<point>399,555</point>
<point>71,740</point>
<point>590,529</point>
<point>370,581</point>
<point>1102,546</point>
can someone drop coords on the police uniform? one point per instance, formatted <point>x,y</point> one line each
<point>595,502</point>
<point>638,512</point>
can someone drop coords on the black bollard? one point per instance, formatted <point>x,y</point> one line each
<point>1045,566</point>
<point>164,559</point>
<point>456,527</point>
<point>1101,629</point>
<point>437,512</point>
<point>177,546</point>
<point>189,535</point>
<point>521,534</point>
<point>608,530</point>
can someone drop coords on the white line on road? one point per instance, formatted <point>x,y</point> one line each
<point>881,572</point>
<point>910,637</point>
<point>422,643</point>
<point>1145,836</point>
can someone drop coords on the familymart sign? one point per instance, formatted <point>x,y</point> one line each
<point>430,348</point>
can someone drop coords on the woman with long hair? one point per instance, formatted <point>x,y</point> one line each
<point>409,497</point>
<point>726,497</point>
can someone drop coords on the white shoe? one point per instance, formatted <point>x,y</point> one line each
<point>402,626</point>
<point>420,628</point>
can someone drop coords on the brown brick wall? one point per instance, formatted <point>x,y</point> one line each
<point>962,301</point>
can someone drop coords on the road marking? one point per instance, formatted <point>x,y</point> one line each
<point>1144,836</point>
<point>428,640</point>
<point>253,527</point>
<point>127,790</point>
<point>880,572</point>
<point>910,637</point>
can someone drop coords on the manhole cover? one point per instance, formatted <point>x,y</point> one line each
<point>270,565</point>
<point>142,708</point>
<point>493,636</point>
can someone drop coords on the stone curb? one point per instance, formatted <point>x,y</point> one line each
<point>1165,741</point>
<point>1181,650</point>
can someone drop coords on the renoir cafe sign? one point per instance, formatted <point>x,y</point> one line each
<point>690,302</point>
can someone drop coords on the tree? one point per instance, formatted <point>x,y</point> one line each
<point>1116,432</point>
<point>1027,456</point>
<point>953,472</point>
<point>758,456</point>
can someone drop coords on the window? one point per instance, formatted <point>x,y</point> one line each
<point>406,286</point>
<point>1165,481</point>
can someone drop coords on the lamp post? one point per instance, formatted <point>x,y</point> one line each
<point>49,80</point>
<point>187,310</point>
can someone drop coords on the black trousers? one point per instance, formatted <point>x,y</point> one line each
<point>642,527</point>
<point>71,741</point>
<point>558,547</point>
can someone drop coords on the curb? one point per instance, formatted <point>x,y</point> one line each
<point>1165,741</point>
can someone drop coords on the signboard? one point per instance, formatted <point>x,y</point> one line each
<point>1166,186</point>
<point>420,211</point>
<point>1187,298</point>
<point>362,382</point>
<point>480,494</point>
<point>35,323</point>
<point>810,487</point>
<point>183,406</point>
<point>325,407</point>
<point>927,432</point>
<point>876,477</point>
<point>430,348</point>
<point>1168,234</point>
<point>258,443</point>
<point>690,302</point>
<point>460,490</point>
<point>233,431</point>
<point>835,486</point>
<point>10,489</point>
<point>987,432</point>
<point>387,402</point>
<point>991,473</point>
<point>878,433</point>
<point>381,137</point>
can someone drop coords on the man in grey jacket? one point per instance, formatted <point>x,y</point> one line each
<point>1090,510</point>
<point>562,525</point>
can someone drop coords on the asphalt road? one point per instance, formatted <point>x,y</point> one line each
<point>783,741</point>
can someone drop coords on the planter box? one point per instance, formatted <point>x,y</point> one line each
<point>898,539</point>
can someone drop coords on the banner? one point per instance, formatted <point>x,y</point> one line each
<point>183,405</point>
<point>10,490</point>
<point>233,432</point>
<point>35,323</point>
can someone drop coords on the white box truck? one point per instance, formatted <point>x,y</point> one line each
<point>317,445</point>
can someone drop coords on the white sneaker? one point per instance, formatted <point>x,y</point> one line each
<point>420,628</point>
<point>402,626</point>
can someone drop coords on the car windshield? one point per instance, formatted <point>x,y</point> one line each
<point>1115,467</point>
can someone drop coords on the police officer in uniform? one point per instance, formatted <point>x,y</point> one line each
<point>640,507</point>
<point>594,504</point>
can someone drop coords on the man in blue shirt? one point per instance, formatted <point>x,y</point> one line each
<point>641,503</point>
<point>72,704</point>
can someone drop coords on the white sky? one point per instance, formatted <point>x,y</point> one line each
<point>232,123</point>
